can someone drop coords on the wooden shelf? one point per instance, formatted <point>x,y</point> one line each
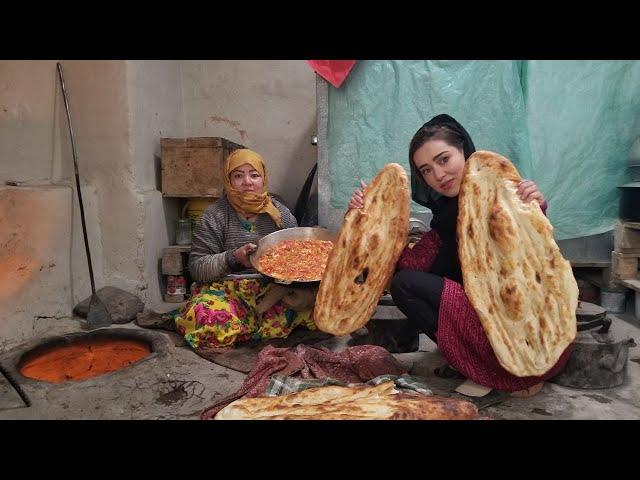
<point>592,264</point>
<point>178,248</point>
<point>632,283</point>
<point>189,195</point>
<point>634,225</point>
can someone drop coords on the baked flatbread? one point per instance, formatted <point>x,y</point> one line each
<point>380,402</point>
<point>364,255</point>
<point>514,274</point>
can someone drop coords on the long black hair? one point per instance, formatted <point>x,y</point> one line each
<point>445,209</point>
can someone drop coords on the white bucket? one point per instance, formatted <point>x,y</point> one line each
<point>613,302</point>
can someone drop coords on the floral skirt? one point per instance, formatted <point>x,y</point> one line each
<point>224,313</point>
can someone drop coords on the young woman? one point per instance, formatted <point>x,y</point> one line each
<point>427,286</point>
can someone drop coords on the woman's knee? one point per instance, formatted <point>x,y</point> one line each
<point>403,281</point>
<point>409,284</point>
<point>401,285</point>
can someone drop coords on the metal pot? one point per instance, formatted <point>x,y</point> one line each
<point>599,357</point>
<point>630,202</point>
<point>296,233</point>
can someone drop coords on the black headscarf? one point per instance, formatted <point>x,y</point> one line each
<point>445,209</point>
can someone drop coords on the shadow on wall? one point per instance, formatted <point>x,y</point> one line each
<point>305,207</point>
<point>170,206</point>
<point>157,168</point>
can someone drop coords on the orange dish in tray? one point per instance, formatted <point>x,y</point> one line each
<point>296,260</point>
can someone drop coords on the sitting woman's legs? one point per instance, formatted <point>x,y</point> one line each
<point>417,295</point>
<point>224,314</point>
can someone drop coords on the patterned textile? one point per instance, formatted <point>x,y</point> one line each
<point>284,385</point>
<point>224,313</point>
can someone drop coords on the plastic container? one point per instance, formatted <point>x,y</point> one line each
<point>183,231</point>
<point>195,207</point>
<point>613,302</point>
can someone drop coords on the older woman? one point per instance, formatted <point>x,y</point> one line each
<point>225,312</point>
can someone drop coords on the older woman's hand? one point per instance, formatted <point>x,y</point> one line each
<point>528,191</point>
<point>357,199</point>
<point>242,254</point>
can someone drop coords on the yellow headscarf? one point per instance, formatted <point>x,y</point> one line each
<point>249,203</point>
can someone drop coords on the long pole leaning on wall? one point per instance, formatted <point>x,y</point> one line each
<point>98,315</point>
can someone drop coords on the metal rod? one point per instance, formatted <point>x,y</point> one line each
<point>16,386</point>
<point>75,166</point>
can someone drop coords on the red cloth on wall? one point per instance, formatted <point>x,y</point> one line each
<point>333,71</point>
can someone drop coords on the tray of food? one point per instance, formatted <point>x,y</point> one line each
<point>294,255</point>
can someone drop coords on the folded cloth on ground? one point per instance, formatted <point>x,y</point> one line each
<point>283,385</point>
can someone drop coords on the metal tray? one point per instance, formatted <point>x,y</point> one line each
<point>296,233</point>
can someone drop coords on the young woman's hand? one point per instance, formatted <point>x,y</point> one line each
<point>528,191</point>
<point>242,254</point>
<point>357,199</point>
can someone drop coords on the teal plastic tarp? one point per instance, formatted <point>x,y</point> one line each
<point>567,125</point>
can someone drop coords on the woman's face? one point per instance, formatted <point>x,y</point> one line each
<point>440,165</point>
<point>245,178</point>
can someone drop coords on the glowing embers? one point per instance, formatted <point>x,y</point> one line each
<point>82,359</point>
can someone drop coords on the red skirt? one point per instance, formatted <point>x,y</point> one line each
<point>464,344</point>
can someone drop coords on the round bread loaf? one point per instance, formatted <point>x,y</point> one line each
<point>364,254</point>
<point>514,275</point>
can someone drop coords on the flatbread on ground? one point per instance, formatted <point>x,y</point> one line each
<point>380,402</point>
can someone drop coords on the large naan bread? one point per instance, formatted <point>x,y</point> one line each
<point>514,274</point>
<point>364,255</point>
<point>380,402</point>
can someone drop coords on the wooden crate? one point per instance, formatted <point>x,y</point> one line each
<point>624,266</point>
<point>634,284</point>
<point>626,252</point>
<point>193,167</point>
<point>174,259</point>
<point>626,238</point>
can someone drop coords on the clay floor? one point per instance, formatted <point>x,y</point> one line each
<point>175,383</point>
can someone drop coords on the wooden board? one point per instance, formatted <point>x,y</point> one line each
<point>626,237</point>
<point>172,263</point>
<point>177,248</point>
<point>634,225</point>
<point>593,264</point>
<point>633,284</point>
<point>623,266</point>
